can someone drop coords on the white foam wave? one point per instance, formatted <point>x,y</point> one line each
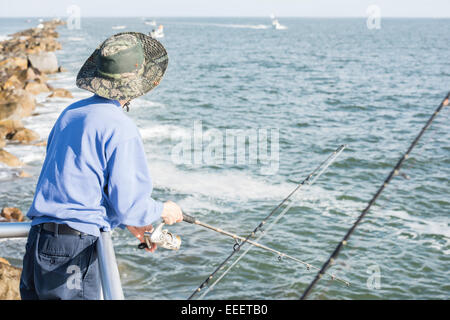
<point>75,39</point>
<point>27,153</point>
<point>232,185</point>
<point>139,103</point>
<point>241,26</point>
<point>419,225</point>
<point>4,37</point>
<point>161,131</point>
<point>244,26</point>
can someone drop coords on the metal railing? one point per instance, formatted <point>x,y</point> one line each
<point>109,273</point>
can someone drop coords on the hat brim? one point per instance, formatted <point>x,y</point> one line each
<point>129,86</point>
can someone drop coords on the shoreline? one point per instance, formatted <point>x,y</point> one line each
<point>27,58</point>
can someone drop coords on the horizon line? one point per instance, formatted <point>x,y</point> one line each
<point>214,16</point>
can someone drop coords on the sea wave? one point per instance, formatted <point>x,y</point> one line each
<point>234,185</point>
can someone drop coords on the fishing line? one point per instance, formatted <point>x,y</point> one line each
<point>318,170</point>
<point>286,209</point>
<point>394,172</point>
<point>280,254</point>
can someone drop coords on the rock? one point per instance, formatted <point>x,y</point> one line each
<point>61,93</point>
<point>9,159</point>
<point>11,125</point>
<point>4,261</point>
<point>14,62</point>
<point>36,87</point>
<point>12,214</point>
<point>62,69</point>
<point>27,75</point>
<point>7,129</point>
<point>24,174</point>
<point>16,104</point>
<point>44,61</point>
<point>25,135</point>
<point>9,282</point>
<point>4,132</point>
<point>12,83</point>
<point>40,144</point>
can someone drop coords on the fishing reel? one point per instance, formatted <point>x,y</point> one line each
<point>162,238</point>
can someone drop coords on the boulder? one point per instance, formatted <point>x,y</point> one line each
<point>25,136</point>
<point>3,260</point>
<point>14,62</point>
<point>16,104</point>
<point>12,214</point>
<point>40,143</point>
<point>12,83</point>
<point>28,75</point>
<point>9,282</point>
<point>61,93</point>
<point>44,61</point>
<point>24,174</point>
<point>7,129</point>
<point>36,87</point>
<point>11,125</point>
<point>9,159</point>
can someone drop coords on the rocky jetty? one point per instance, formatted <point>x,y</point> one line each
<point>9,275</point>
<point>26,58</point>
<point>11,214</point>
<point>9,281</point>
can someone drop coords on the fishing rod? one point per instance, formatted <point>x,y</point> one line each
<point>318,171</point>
<point>281,255</point>
<point>394,172</point>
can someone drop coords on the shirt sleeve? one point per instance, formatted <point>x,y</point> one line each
<point>130,186</point>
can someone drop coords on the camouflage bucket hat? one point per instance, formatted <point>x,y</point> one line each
<point>125,66</point>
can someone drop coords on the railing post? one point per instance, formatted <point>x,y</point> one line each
<point>109,272</point>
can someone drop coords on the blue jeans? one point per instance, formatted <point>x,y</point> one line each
<point>59,266</point>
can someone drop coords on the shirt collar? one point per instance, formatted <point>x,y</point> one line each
<point>106,100</point>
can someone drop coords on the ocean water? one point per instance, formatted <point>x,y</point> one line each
<point>321,83</point>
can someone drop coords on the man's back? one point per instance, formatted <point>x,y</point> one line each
<point>72,183</point>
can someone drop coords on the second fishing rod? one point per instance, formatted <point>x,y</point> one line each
<point>164,238</point>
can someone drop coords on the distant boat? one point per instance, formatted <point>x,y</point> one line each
<point>159,33</point>
<point>150,22</point>
<point>275,24</point>
<point>119,27</point>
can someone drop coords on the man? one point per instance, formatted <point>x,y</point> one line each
<point>95,175</point>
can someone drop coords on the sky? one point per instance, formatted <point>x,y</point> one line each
<point>227,8</point>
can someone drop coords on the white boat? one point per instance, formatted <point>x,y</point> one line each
<point>150,23</point>
<point>158,33</point>
<point>276,24</point>
<point>119,27</point>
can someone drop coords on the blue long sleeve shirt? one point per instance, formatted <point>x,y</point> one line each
<point>95,175</point>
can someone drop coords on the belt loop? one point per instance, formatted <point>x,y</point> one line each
<point>55,230</point>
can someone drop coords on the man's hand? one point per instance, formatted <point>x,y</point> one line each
<point>171,213</point>
<point>138,232</point>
